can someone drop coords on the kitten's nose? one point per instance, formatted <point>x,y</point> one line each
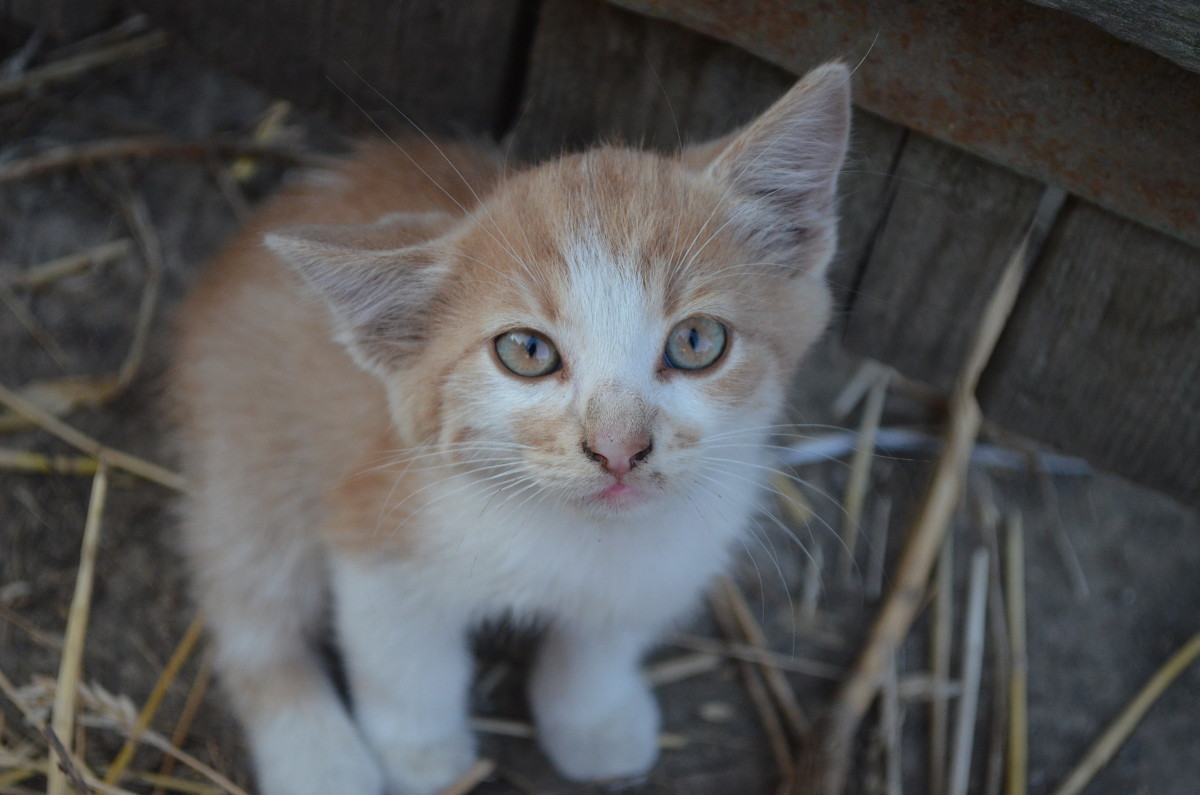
<point>618,455</point>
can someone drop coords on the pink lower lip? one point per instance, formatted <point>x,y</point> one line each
<point>616,491</point>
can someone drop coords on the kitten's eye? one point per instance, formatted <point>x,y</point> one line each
<point>695,343</point>
<point>527,353</point>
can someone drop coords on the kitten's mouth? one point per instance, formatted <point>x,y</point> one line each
<point>618,491</point>
<point>620,495</point>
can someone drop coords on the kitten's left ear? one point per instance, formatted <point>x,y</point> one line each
<point>781,171</point>
<point>377,279</point>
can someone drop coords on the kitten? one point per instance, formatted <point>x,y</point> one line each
<point>442,392</point>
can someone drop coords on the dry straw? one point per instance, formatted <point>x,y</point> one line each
<point>1116,734</point>
<point>964,729</point>
<point>860,471</point>
<point>71,665</point>
<point>1018,695</point>
<point>756,690</point>
<point>182,653</point>
<point>87,444</point>
<point>832,762</point>
<point>71,68</point>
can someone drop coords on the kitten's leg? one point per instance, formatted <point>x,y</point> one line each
<point>409,668</point>
<point>265,602</point>
<point>595,713</point>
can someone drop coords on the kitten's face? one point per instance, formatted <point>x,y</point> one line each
<point>610,328</point>
<point>606,337</point>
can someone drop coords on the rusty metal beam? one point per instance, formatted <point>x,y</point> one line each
<point>1035,89</point>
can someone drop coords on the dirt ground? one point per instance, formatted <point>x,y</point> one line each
<point>1113,571</point>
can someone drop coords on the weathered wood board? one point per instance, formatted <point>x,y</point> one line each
<point>448,66</point>
<point>1170,28</point>
<point>59,19</point>
<point>601,73</point>
<point>953,223</point>
<point>1102,356</point>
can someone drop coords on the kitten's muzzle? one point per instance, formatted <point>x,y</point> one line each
<point>618,454</point>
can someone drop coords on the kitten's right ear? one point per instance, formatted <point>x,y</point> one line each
<point>378,288</point>
<point>783,168</point>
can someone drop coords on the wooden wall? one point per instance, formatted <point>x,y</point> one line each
<point>1102,358</point>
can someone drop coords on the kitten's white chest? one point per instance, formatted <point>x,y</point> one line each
<point>546,561</point>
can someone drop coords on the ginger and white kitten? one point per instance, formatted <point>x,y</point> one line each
<point>442,392</point>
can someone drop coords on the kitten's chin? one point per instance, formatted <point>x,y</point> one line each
<point>616,500</point>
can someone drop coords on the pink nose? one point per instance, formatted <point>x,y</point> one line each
<point>618,455</point>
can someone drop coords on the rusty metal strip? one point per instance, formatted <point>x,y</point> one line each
<point>1037,90</point>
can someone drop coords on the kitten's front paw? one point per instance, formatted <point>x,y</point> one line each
<point>619,744</point>
<point>429,768</point>
<point>304,755</point>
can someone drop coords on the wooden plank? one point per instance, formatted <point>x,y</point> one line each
<point>953,223</point>
<point>1102,357</point>
<point>658,84</point>
<point>866,191</point>
<point>446,65</point>
<point>600,73</point>
<point>1034,89</point>
<point>1170,28</point>
<point>61,20</point>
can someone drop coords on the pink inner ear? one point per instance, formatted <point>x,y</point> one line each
<point>785,165</point>
<point>376,287</point>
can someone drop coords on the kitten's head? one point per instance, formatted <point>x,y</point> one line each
<point>609,328</point>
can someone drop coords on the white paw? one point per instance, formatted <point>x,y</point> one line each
<point>297,755</point>
<point>620,743</point>
<point>428,768</point>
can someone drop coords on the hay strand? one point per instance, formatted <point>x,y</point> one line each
<point>1107,744</point>
<point>191,708</point>
<point>939,653</point>
<point>1018,690</point>
<point>33,326</point>
<point>685,666</point>
<point>797,507</point>
<point>988,518</point>
<point>71,68</point>
<point>60,396</point>
<point>476,774</point>
<point>933,515</point>
<point>71,665</point>
<point>756,690</point>
<point>754,654</point>
<point>39,464</point>
<point>810,596</point>
<point>964,728</point>
<point>890,726</point>
<point>144,147</point>
<point>46,273</point>
<point>860,472</point>
<point>881,516</point>
<point>85,443</point>
<point>69,765</point>
<point>179,658</point>
<point>785,698</point>
<point>137,217</point>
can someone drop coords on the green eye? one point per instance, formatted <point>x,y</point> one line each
<point>695,343</point>
<point>527,353</point>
